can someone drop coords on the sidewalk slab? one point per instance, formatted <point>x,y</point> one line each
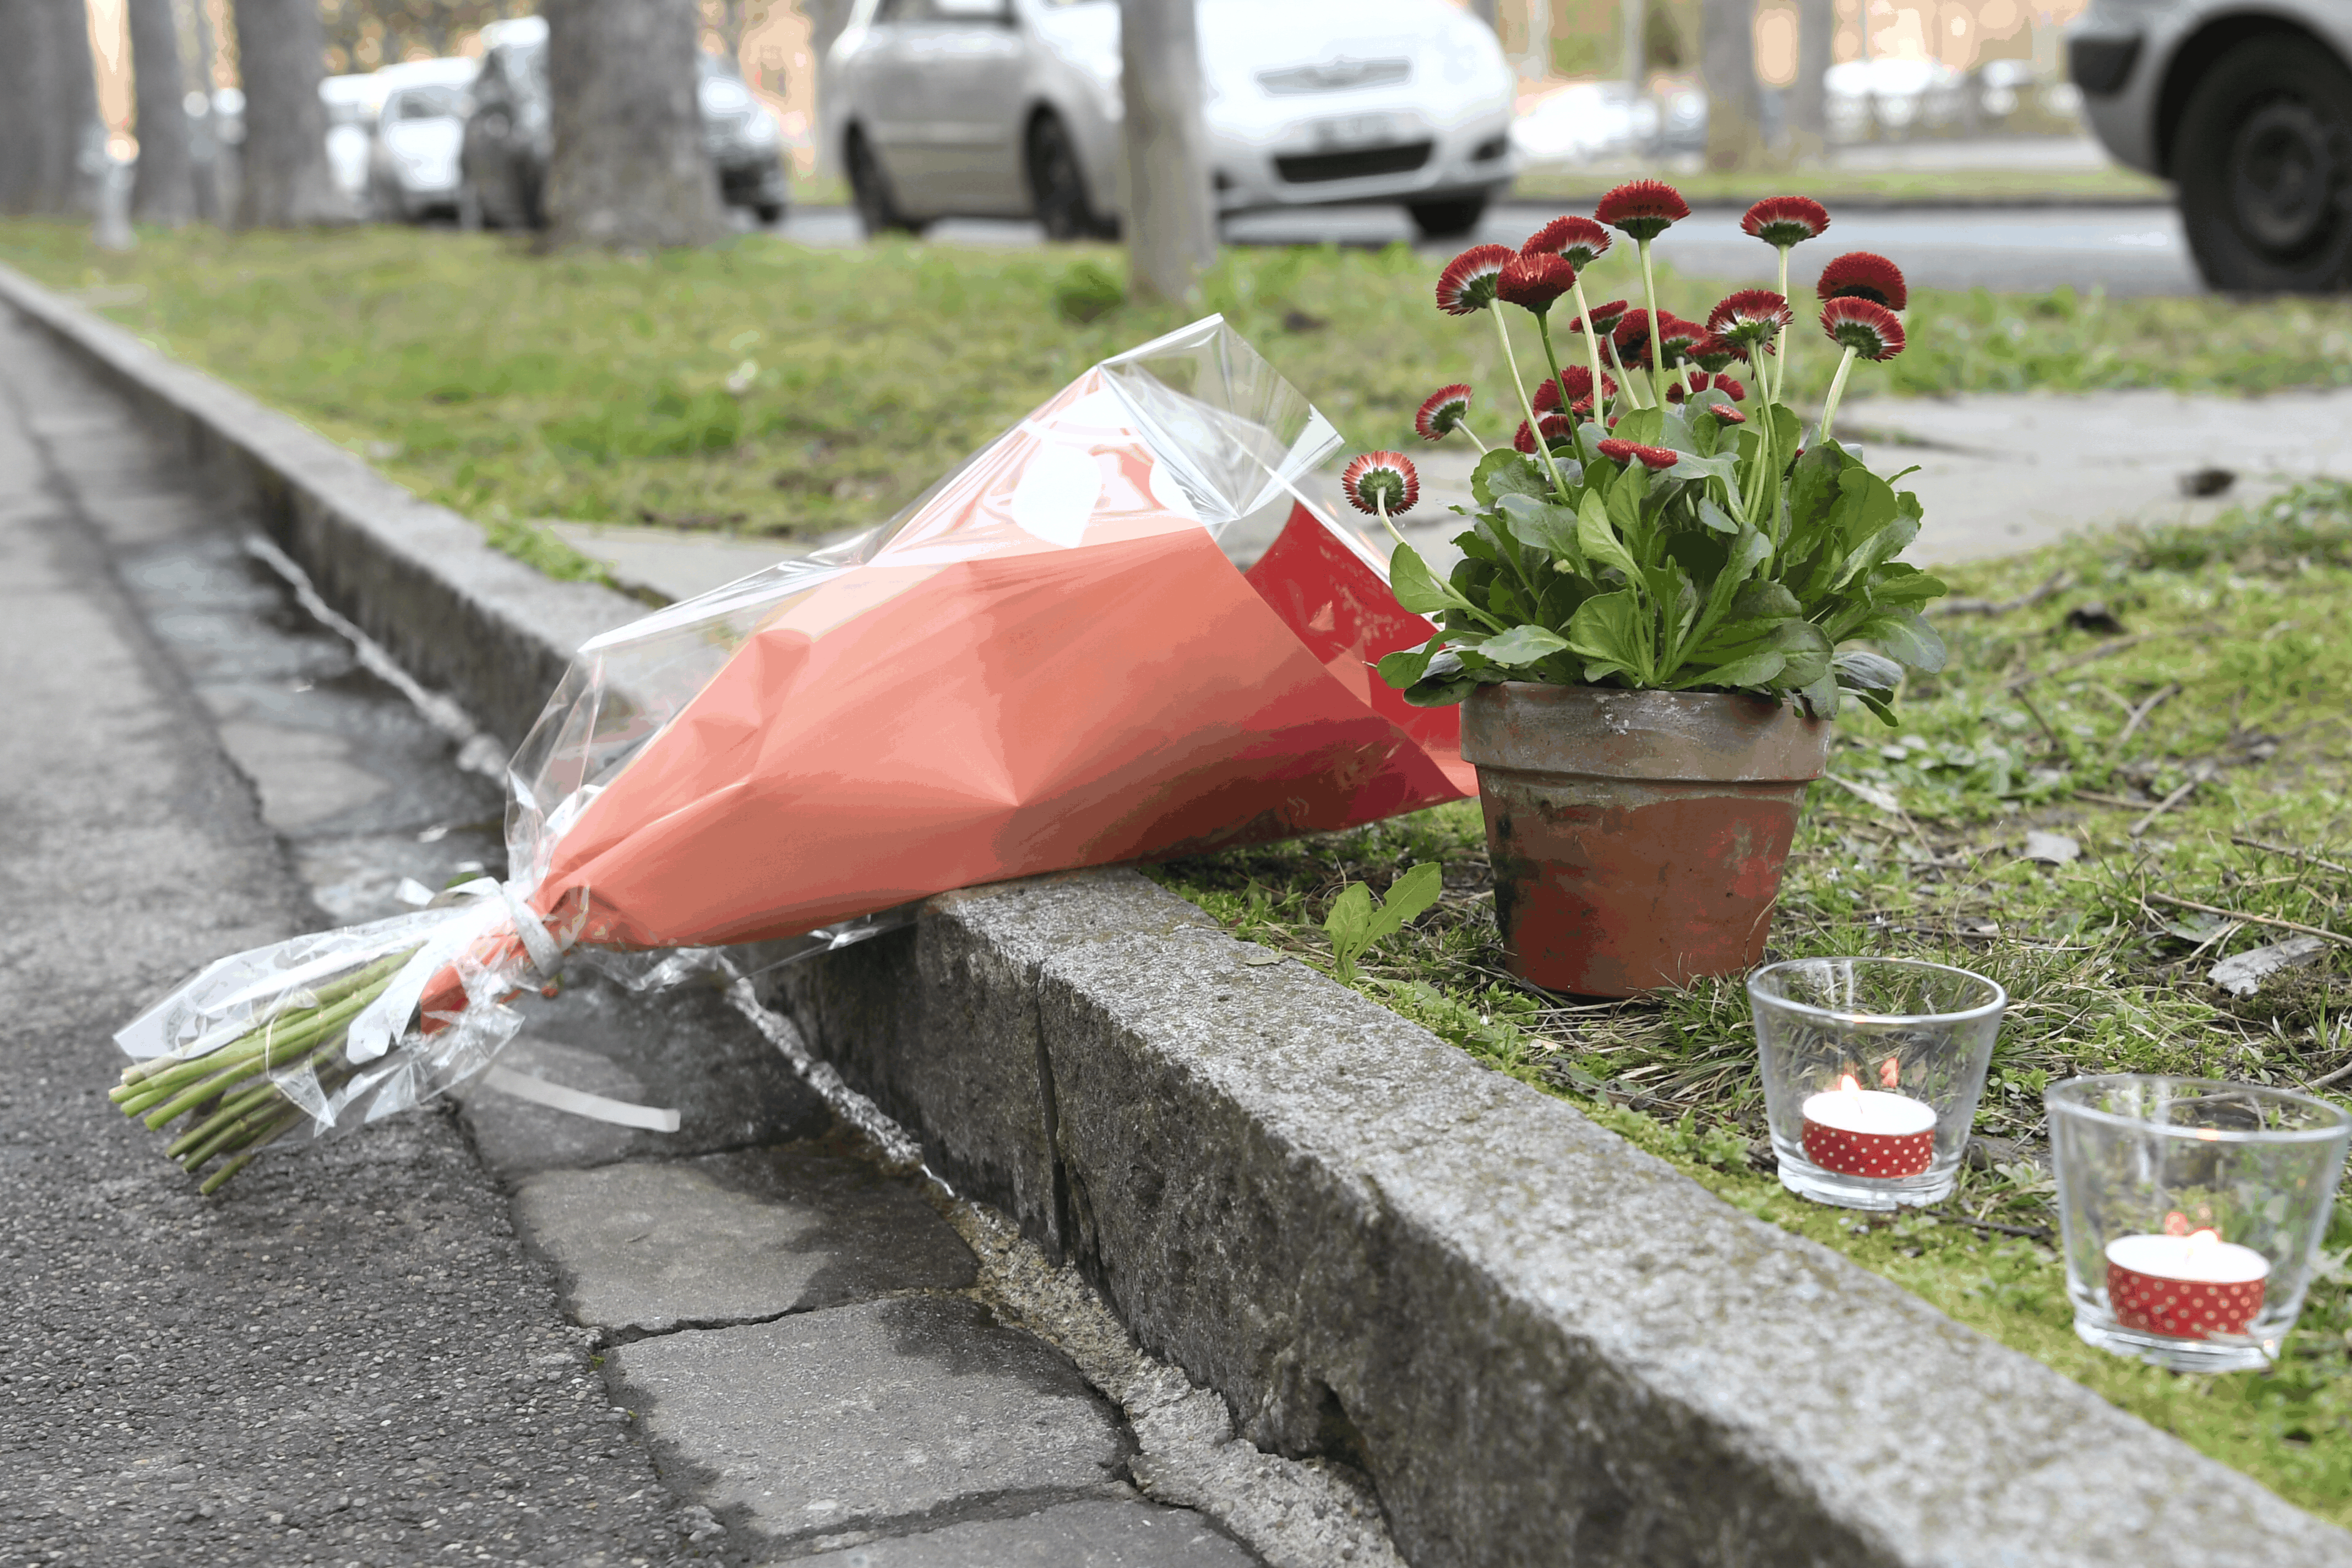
<point>2002,474</point>
<point>647,1248</point>
<point>871,1416</point>
<point>1074,1535</point>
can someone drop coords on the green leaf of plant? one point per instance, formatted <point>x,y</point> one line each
<point>1896,582</point>
<point>1858,669</point>
<point>1411,581</point>
<point>1607,629</point>
<point>1545,526</point>
<point>1906,636</point>
<point>1523,644</point>
<point>1409,894</point>
<point>1643,425</point>
<point>1503,472</point>
<point>1350,927</point>
<point>1751,670</point>
<point>1407,665</point>
<point>1598,540</point>
<point>1714,517</point>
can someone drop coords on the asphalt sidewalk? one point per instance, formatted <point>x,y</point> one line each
<point>501,1334</point>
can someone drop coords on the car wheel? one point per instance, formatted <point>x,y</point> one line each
<point>877,209</point>
<point>1447,220</point>
<point>770,214</point>
<point>1057,185</point>
<point>2263,164</point>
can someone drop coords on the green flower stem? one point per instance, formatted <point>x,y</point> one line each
<point>1543,333</point>
<point>219,1178</point>
<point>1625,387</point>
<point>1543,448</point>
<point>1650,298</point>
<point>168,1073</point>
<point>234,1105</point>
<point>284,1046</point>
<point>1591,354</point>
<point>1781,344</point>
<point>1837,390</point>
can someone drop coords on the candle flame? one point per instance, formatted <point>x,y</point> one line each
<point>1890,1074</point>
<point>1847,1085</point>
<point>2202,1241</point>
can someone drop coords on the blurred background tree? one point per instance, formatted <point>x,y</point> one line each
<point>284,181</point>
<point>164,190</point>
<point>51,140</point>
<point>628,168</point>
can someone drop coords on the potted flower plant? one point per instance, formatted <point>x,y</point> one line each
<point>1668,589</point>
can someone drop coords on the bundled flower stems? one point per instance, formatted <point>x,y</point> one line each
<point>1047,662</point>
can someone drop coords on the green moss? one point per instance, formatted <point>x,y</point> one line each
<point>2241,624</point>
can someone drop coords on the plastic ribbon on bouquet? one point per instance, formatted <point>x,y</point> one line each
<point>1046,662</point>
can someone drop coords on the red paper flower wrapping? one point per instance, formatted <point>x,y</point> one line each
<point>1046,663</point>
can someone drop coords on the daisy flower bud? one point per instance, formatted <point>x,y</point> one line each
<point>1443,413</point>
<point>1467,284</point>
<point>1860,275</point>
<point>1578,240</point>
<point>1533,283</point>
<point>1378,481</point>
<point>1643,208</point>
<point>1726,414</point>
<point>1784,221</point>
<point>1634,452</point>
<point>1869,329</point>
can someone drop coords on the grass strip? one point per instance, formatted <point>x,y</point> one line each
<point>2107,971</point>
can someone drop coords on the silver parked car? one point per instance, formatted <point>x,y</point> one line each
<point>2246,105</point>
<point>1010,108</point>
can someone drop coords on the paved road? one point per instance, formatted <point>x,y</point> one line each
<point>2125,251</point>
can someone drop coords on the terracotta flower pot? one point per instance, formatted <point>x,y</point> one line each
<point>1637,836</point>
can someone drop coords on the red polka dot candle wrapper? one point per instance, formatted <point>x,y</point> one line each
<point>2184,1287</point>
<point>1868,1133</point>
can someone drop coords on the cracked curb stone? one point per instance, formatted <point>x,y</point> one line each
<point>1074,1535</point>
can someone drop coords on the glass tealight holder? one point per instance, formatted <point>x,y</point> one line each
<point>2192,1212</point>
<point>1872,1068</point>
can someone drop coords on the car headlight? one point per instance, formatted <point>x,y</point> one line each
<point>723,99</point>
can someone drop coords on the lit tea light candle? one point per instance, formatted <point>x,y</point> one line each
<point>1859,1132</point>
<point>2189,1287</point>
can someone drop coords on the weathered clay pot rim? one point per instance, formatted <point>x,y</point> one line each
<point>1612,733</point>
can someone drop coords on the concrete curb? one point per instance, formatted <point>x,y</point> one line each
<point>415,577</point>
<point>1540,1344</point>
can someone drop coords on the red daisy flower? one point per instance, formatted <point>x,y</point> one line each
<point>1604,317</point>
<point>1860,274</point>
<point>1634,451</point>
<point>1677,338</point>
<point>1731,387</point>
<point>1714,352</point>
<point>1866,327</point>
<point>1750,316</point>
<point>1467,284</point>
<point>1577,393</point>
<point>1379,479</point>
<point>1784,221</point>
<point>1556,427</point>
<point>1579,240</point>
<point>1534,281</point>
<point>1643,208</point>
<point>1443,413</point>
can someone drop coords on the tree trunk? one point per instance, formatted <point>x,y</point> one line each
<point>1727,66</point>
<point>283,180</point>
<point>49,108</point>
<point>1636,25</point>
<point>1809,99</point>
<point>164,192</point>
<point>628,169</point>
<point>205,149</point>
<point>1172,218</point>
<point>827,18</point>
